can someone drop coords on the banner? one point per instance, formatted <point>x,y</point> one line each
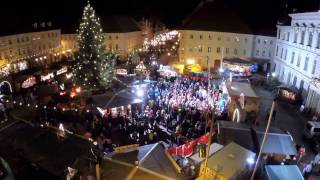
<point>186,149</point>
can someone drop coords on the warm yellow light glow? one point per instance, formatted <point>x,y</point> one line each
<point>190,61</point>
<point>78,90</point>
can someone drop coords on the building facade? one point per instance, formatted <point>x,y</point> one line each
<point>197,46</point>
<point>121,34</point>
<point>297,59</point>
<point>21,51</point>
<point>120,43</point>
<point>214,32</point>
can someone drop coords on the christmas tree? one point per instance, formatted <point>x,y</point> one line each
<point>93,68</point>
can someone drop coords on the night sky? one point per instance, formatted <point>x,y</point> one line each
<point>263,13</point>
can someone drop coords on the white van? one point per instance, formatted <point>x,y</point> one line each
<point>312,129</point>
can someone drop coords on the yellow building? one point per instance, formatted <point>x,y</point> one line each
<point>122,35</point>
<point>35,46</point>
<point>213,31</point>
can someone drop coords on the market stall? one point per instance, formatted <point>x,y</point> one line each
<point>242,100</point>
<point>280,172</point>
<point>111,103</point>
<point>45,93</point>
<point>166,71</point>
<point>193,68</point>
<point>288,94</point>
<point>240,67</point>
<point>24,82</point>
<point>141,68</point>
<point>231,162</point>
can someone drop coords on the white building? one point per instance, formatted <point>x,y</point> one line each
<point>297,59</point>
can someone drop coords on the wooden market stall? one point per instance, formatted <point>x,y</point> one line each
<point>243,100</point>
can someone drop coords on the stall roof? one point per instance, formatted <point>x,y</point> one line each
<point>213,149</point>
<point>46,90</point>
<point>230,160</point>
<point>279,172</point>
<point>150,157</point>
<point>277,141</point>
<point>111,99</point>
<point>237,61</point>
<point>236,88</point>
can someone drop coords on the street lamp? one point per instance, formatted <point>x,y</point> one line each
<point>273,74</point>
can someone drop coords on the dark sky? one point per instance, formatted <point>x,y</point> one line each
<point>171,12</point>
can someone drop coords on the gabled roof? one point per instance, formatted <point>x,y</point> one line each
<point>119,24</point>
<point>110,24</point>
<point>13,25</point>
<point>215,15</point>
<point>150,157</point>
<point>230,160</point>
<point>277,141</point>
<point>280,172</point>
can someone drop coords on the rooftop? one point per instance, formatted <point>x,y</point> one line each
<point>230,160</point>
<point>110,24</point>
<point>215,16</point>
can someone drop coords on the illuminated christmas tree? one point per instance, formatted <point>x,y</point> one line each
<point>93,68</point>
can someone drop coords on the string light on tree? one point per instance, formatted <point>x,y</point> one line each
<point>92,58</point>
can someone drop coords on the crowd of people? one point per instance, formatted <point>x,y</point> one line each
<point>173,111</point>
